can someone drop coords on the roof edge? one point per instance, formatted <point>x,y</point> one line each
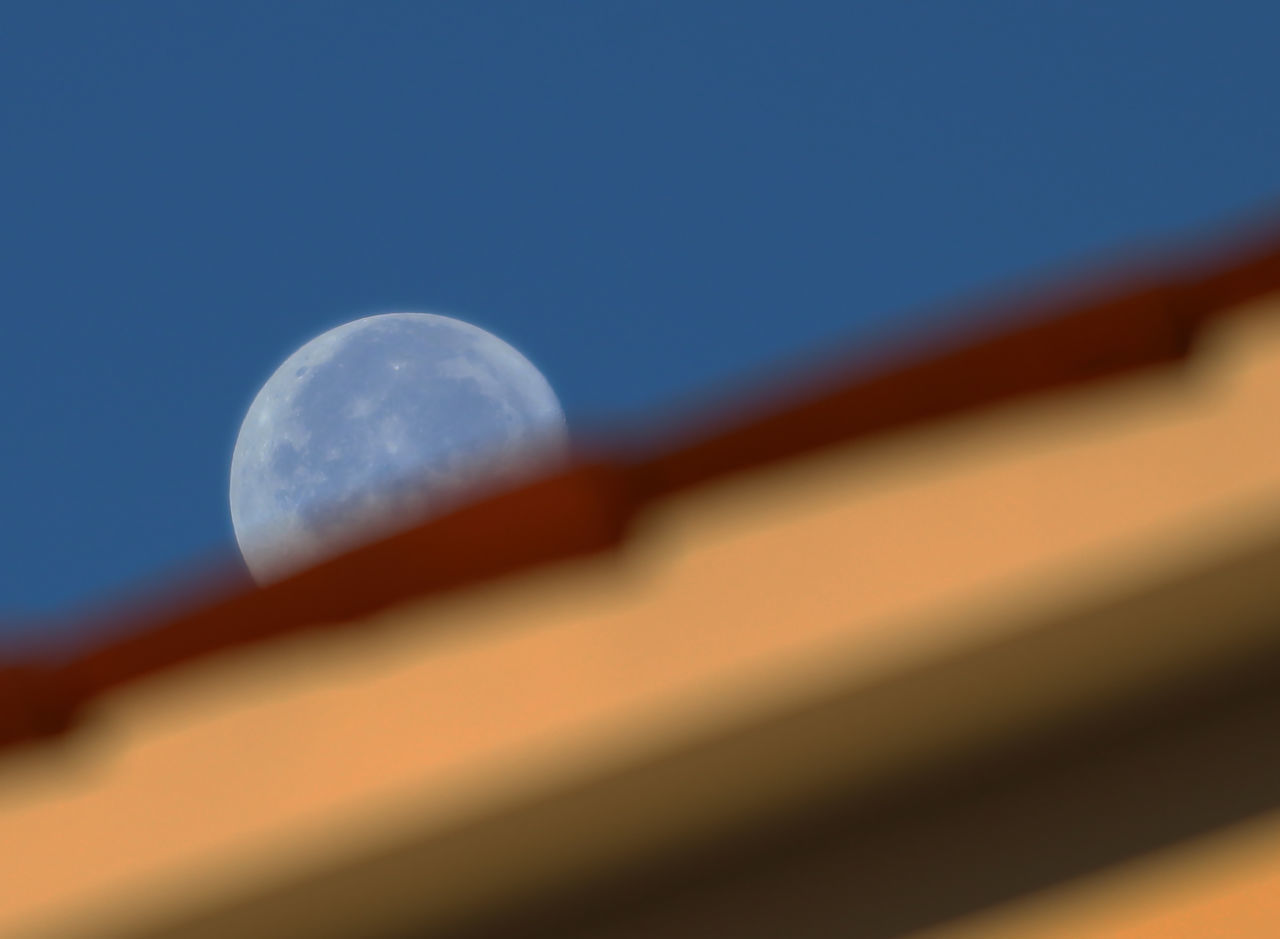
<point>1147,319</point>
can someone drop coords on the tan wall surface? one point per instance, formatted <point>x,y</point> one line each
<point>198,788</point>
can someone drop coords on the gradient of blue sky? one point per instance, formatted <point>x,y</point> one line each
<point>649,199</point>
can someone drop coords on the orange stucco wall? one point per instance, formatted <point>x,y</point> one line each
<point>218,781</point>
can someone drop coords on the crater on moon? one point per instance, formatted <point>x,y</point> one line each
<point>378,421</point>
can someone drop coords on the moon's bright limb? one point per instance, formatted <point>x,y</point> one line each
<point>381,420</point>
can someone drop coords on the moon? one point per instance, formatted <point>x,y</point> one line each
<point>383,420</point>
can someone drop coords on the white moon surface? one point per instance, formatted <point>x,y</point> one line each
<point>379,422</point>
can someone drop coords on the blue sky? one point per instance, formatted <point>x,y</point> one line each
<point>654,201</point>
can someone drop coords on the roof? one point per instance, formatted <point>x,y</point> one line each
<point>1017,620</point>
<point>1106,326</point>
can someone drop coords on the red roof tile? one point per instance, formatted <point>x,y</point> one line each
<point>1106,329</point>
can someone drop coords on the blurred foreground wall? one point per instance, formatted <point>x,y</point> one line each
<point>1005,674</point>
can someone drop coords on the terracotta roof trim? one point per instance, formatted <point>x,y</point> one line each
<point>588,508</point>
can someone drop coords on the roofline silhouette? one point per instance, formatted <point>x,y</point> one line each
<point>1112,324</point>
